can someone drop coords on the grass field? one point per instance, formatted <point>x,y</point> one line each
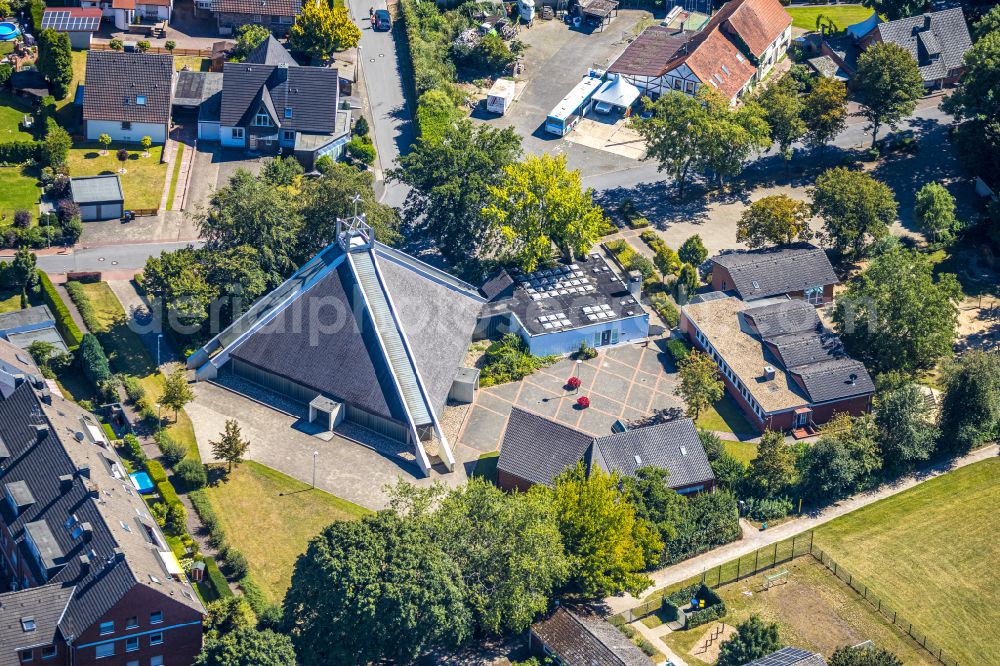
<point>143,182</point>
<point>12,111</point>
<point>128,354</point>
<point>270,518</point>
<point>19,190</point>
<point>64,108</point>
<point>745,451</point>
<point>194,62</point>
<point>841,15</point>
<point>930,554</point>
<point>725,415</point>
<point>814,610</point>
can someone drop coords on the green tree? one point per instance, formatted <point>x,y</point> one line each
<point>177,281</point>
<point>845,459</point>
<point>693,251</point>
<point>753,639</point>
<point>672,134</point>
<point>283,171</point>
<point>773,467</point>
<point>24,273</point>
<point>176,391</point>
<point>249,37</point>
<point>248,647</point>
<point>730,472</point>
<point>707,520</point>
<point>701,384</point>
<point>228,615</point>
<point>55,60</point>
<point>656,502</point>
<point>231,446</point>
<point>170,45</point>
<point>539,202</point>
<point>907,431</point>
<point>321,29</point>
<point>435,113</point>
<point>146,143</point>
<point>896,316</point>
<point>686,284</point>
<point>375,589</point>
<point>863,656</point>
<point>491,54</point>
<point>105,141</point>
<point>888,85</point>
<point>970,410</point>
<point>55,147</point>
<point>856,209</point>
<point>449,174</point>
<point>732,135</point>
<point>607,544</point>
<point>824,112</point>
<point>783,110</point>
<point>774,220</point>
<point>935,212</point>
<point>896,9</point>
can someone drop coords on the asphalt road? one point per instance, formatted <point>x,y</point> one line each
<point>108,258</point>
<point>382,75</point>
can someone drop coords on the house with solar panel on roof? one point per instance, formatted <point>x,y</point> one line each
<point>80,23</point>
<point>555,310</point>
<point>363,334</point>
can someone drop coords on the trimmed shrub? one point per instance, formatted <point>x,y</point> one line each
<point>133,449</point>
<point>19,152</point>
<point>638,223</point>
<point>768,508</point>
<point>173,453</point>
<point>83,305</point>
<point>666,310</point>
<point>93,361</point>
<point>236,564</point>
<point>176,517</point>
<point>64,321</point>
<point>215,581</point>
<point>191,474</point>
<point>678,350</point>
<point>155,471</point>
<point>252,592</point>
<point>133,389</point>
<point>709,614</point>
<point>361,150</point>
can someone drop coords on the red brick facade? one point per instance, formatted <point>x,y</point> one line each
<point>722,281</point>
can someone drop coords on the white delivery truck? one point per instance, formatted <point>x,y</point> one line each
<point>500,96</point>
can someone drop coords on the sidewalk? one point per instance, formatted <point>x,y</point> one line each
<point>653,636</point>
<point>696,565</point>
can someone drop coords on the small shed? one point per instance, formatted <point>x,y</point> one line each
<point>29,83</point>
<point>99,197</point>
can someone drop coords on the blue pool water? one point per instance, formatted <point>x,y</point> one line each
<point>142,482</point>
<point>8,31</point>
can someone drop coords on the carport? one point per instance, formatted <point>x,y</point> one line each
<point>99,197</point>
<point>602,10</point>
<point>617,92</point>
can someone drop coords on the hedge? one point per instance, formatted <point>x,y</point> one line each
<point>93,361</point>
<point>83,304</point>
<point>155,471</point>
<point>19,152</point>
<point>254,595</point>
<point>64,320</point>
<point>666,310</point>
<point>216,583</point>
<point>678,350</point>
<point>709,614</point>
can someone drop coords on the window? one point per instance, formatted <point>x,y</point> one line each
<point>105,650</point>
<point>48,651</point>
<point>677,84</point>
<point>140,100</point>
<point>156,661</point>
<point>288,136</point>
<point>287,20</point>
<point>26,656</point>
<point>262,119</point>
<point>238,133</point>
<point>690,87</point>
<point>156,639</point>
<point>257,18</point>
<point>288,112</point>
<point>107,627</point>
<point>132,644</point>
<point>134,662</point>
<point>132,622</point>
<point>156,617</point>
<point>126,126</point>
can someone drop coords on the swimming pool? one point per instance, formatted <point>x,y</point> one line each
<point>142,482</point>
<point>9,31</point>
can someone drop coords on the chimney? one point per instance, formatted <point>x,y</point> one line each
<point>635,284</point>
<point>65,482</point>
<point>118,554</point>
<point>88,531</point>
<point>45,395</point>
<point>769,372</point>
<point>41,431</point>
<point>852,380</point>
<point>281,73</point>
<point>84,565</point>
<point>927,21</point>
<point>83,471</point>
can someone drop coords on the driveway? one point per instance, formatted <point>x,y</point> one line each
<point>626,382</point>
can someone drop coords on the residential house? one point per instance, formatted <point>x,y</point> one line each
<point>34,324</point>
<point>271,105</point>
<point>783,368</point>
<point>798,271</point>
<point>535,450</point>
<point>80,23</point>
<point>581,637</point>
<point>790,656</point>
<point>86,575</point>
<point>124,13</point>
<point>733,52</point>
<point>556,310</point>
<point>278,16</point>
<point>128,95</point>
<point>362,333</point>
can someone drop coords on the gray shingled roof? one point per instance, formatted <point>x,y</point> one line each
<point>937,41</point>
<point>783,318</point>
<point>790,656</point>
<point>537,449</point>
<point>193,88</point>
<point>777,270</point>
<point>271,52</point>
<point>298,98</point>
<point>582,638</point>
<point>835,379</point>
<point>673,446</point>
<point>41,605</point>
<point>116,82</point>
<point>797,349</point>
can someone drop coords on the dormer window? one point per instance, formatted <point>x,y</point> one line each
<point>140,100</point>
<point>288,112</point>
<point>262,119</point>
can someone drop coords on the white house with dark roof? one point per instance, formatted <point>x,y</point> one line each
<point>128,95</point>
<point>363,333</point>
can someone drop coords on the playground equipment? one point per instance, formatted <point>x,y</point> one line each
<point>779,578</point>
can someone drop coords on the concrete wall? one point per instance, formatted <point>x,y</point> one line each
<point>208,131</point>
<point>566,342</point>
<point>113,128</point>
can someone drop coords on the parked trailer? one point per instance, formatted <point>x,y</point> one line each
<point>500,96</point>
<point>562,119</point>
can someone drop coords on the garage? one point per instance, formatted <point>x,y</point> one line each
<point>99,197</point>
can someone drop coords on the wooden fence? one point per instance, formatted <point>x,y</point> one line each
<point>198,53</point>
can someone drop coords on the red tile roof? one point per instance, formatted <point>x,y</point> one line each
<point>757,22</point>
<point>716,61</point>
<point>76,12</point>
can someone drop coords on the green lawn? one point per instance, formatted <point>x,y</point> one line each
<point>841,15</point>
<point>745,451</point>
<point>194,62</point>
<point>725,415</point>
<point>65,111</point>
<point>930,553</point>
<point>142,183</point>
<point>128,354</point>
<point>814,610</point>
<point>174,173</point>
<point>19,190</point>
<point>12,111</point>
<point>270,518</point>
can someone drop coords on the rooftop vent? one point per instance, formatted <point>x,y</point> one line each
<point>84,565</point>
<point>683,450</point>
<point>769,372</point>
<point>853,379</point>
<point>638,460</point>
<point>65,482</point>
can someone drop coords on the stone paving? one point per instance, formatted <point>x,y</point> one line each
<point>626,382</point>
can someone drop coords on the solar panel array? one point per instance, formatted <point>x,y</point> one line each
<point>63,21</point>
<point>556,282</point>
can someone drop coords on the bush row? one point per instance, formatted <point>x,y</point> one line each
<point>19,152</point>
<point>233,559</point>
<point>93,361</point>
<point>83,305</point>
<point>64,320</point>
<point>768,508</point>
<point>667,311</point>
<point>218,587</point>
<point>678,349</point>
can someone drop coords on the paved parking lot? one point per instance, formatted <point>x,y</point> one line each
<point>627,382</point>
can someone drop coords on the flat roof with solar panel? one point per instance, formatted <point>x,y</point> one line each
<point>72,19</point>
<point>790,656</point>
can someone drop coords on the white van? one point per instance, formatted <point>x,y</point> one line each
<point>500,96</point>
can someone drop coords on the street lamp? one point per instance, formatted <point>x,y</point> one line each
<point>159,337</point>
<point>576,373</point>
<point>315,455</point>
